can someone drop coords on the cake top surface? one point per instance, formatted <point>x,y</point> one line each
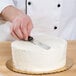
<point>53,42</point>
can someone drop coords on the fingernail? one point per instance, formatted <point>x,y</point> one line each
<point>26,38</point>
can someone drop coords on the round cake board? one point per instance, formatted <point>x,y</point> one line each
<point>68,65</point>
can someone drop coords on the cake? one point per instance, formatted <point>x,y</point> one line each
<point>30,57</point>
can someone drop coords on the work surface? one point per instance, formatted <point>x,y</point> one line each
<point>5,54</point>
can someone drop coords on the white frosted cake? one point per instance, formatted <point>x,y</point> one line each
<point>29,57</point>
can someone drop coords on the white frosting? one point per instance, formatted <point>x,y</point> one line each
<point>29,57</point>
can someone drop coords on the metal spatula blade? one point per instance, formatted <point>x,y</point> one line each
<point>40,44</point>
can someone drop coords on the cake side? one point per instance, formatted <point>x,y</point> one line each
<point>29,57</point>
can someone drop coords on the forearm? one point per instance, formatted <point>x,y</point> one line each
<point>10,13</point>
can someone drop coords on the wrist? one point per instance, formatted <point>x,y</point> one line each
<point>10,13</point>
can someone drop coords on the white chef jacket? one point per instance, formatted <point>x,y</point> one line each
<point>51,17</point>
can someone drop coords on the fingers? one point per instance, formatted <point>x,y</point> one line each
<point>19,33</point>
<point>21,28</point>
<point>26,28</point>
<point>24,31</point>
<point>30,26</point>
<point>16,31</point>
<point>13,33</point>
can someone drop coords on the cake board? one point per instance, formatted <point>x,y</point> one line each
<point>68,65</point>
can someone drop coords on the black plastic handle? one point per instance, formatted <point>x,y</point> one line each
<point>30,38</point>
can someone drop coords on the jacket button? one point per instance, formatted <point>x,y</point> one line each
<point>55,27</point>
<point>58,5</point>
<point>29,3</point>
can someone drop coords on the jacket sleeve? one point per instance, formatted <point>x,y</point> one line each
<point>5,3</point>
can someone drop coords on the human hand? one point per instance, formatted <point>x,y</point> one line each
<point>21,23</point>
<point>21,27</point>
